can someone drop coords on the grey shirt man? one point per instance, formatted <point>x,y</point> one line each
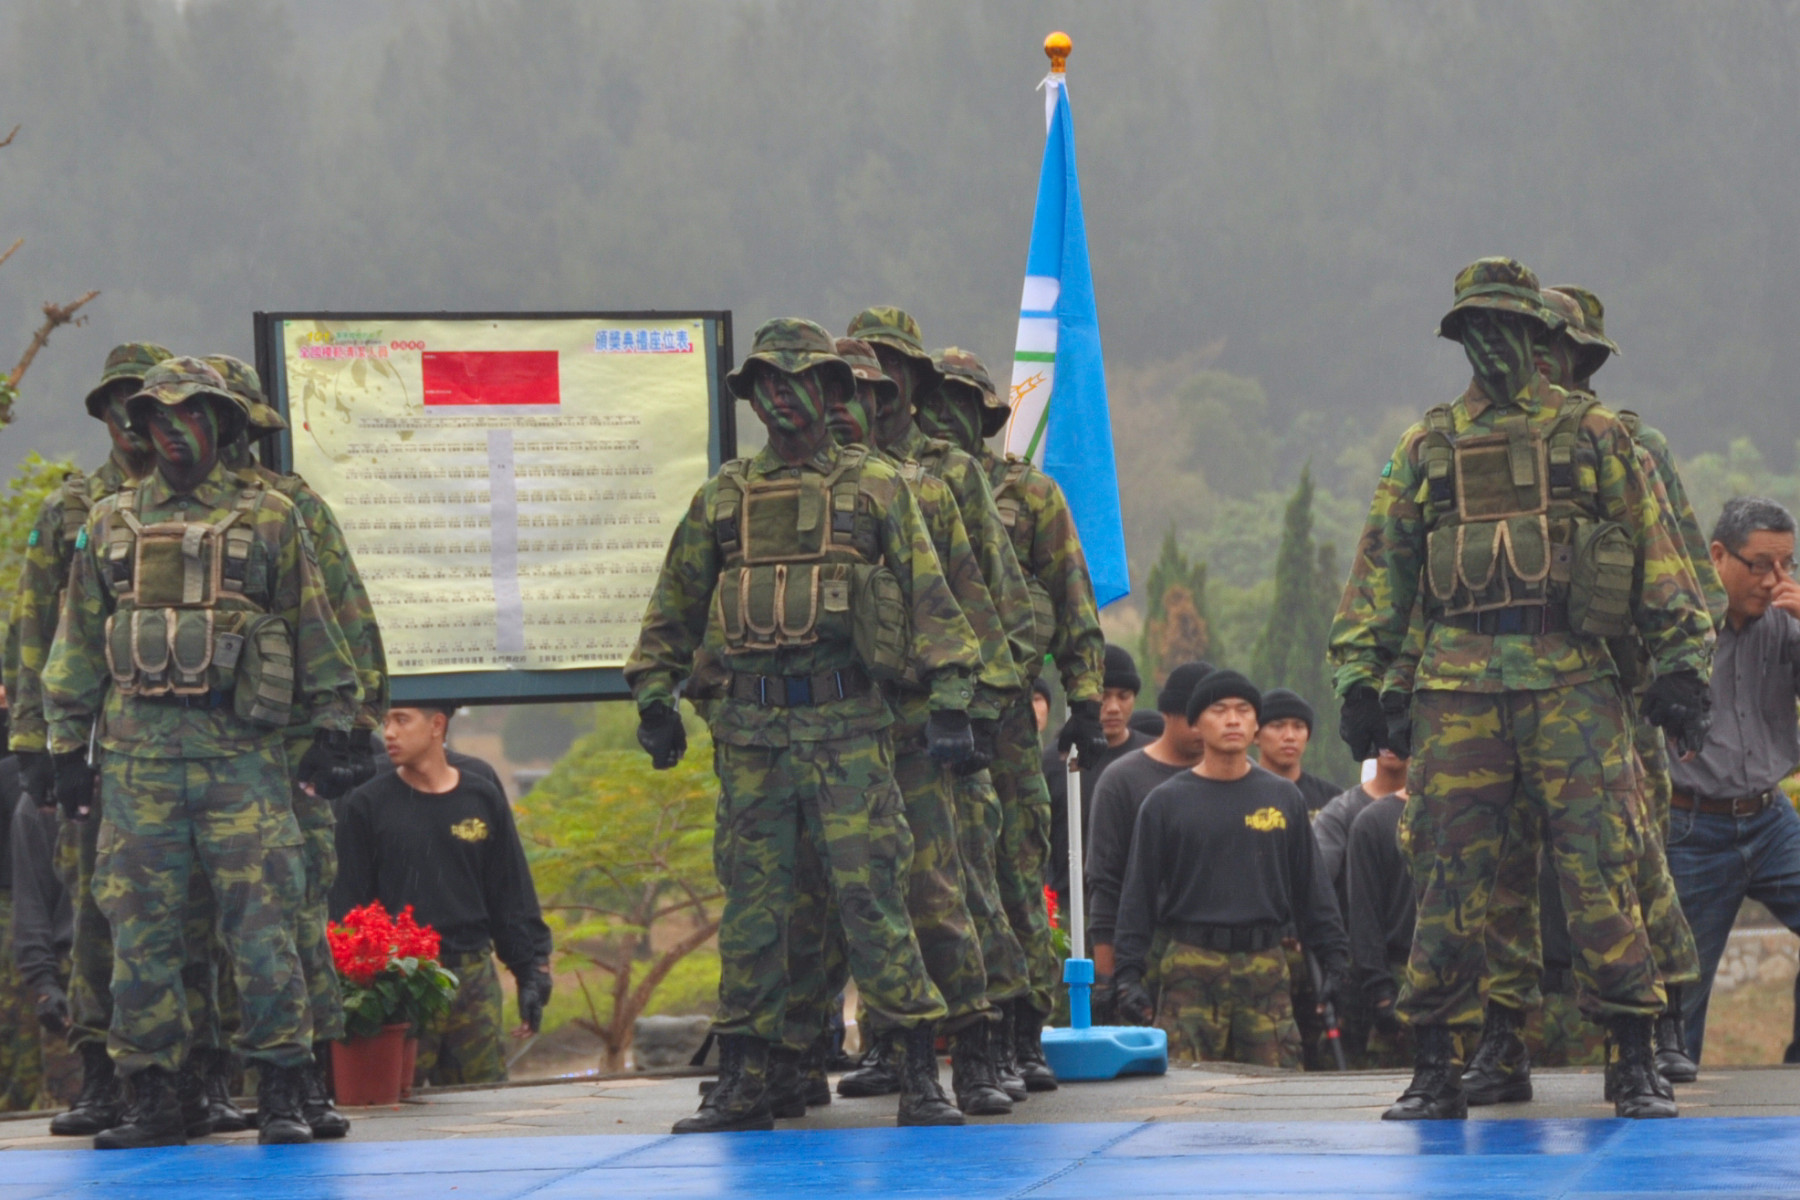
<point>1331,829</point>
<point>1754,743</point>
<point>1113,815</point>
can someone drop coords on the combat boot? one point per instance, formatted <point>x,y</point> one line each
<point>972,1076</point>
<point>787,1097</point>
<point>1500,1069</point>
<point>153,1118</point>
<point>1632,1081</point>
<point>190,1087</point>
<point>1672,1059</point>
<point>281,1105</point>
<point>1028,1047</point>
<point>922,1099</point>
<point>879,1074</point>
<point>740,1102</point>
<point>813,1083</point>
<point>221,1109</point>
<point>1004,1043</point>
<point>325,1121</point>
<point>1435,1093</point>
<point>100,1105</point>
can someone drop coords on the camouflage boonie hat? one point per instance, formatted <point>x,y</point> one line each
<point>128,361</point>
<point>1593,319</point>
<point>957,365</point>
<point>790,345</point>
<point>891,327</point>
<point>865,366</point>
<point>179,379</point>
<point>1504,284</point>
<point>244,383</point>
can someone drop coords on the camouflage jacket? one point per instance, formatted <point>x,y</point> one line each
<point>344,590</point>
<point>944,648</point>
<point>48,549</point>
<point>1681,509</point>
<point>998,563</point>
<point>282,575</point>
<point>1044,539</point>
<point>1369,634</point>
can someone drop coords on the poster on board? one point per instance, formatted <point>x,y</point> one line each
<point>507,484</point>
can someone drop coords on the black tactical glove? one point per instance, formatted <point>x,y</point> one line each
<point>331,764</point>
<point>1131,1000</point>
<point>1082,732</point>
<point>1103,1000</point>
<point>1397,708</point>
<point>53,1009</point>
<point>534,993</point>
<point>1334,990</point>
<point>1362,723</point>
<point>1382,1000</point>
<point>75,782</point>
<point>1681,706</point>
<point>661,734</point>
<point>37,777</point>
<point>948,736</point>
<point>986,731</point>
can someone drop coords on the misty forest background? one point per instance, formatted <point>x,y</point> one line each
<point>1278,196</point>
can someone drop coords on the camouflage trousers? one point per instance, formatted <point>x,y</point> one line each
<point>1558,1034</point>
<point>21,1057</point>
<point>1223,1007</point>
<point>318,857</point>
<point>91,956</point>
<point>466,1046</point>
<point>1022,865</point>
<point>228,819</point>
<point>980,826</point>
<point>840,794</point>
<point>1561,755</point>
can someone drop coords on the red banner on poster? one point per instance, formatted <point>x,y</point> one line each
<point>491,377</point>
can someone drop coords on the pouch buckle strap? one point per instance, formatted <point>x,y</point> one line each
<point>1519,618</point>
<point>799,691</point>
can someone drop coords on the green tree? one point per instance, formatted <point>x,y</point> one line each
<point>1175,626</point>
<point>622,856</point>
<point>1291,651</point>
<point>33,481</point>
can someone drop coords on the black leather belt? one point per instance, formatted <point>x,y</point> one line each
<point>799,691</point>
<point>1226,939</point>
<point>1738,806</point>
<point>206,700</point>
<point>1521,618</point>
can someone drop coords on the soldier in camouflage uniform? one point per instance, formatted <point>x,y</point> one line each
<point>951,894</point>
<point>817,568</point>
<point>1500,1070</point>
<point>1522,518</point>
<point>1066,628</point>
<point>86,1012</point>
<point>195,614</point>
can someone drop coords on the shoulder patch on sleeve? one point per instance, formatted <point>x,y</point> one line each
<point>1387,468</point>
<point>34,539</point>
<point>81,539</point>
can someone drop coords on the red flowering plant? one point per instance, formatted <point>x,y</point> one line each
<point>389,970</point>
<point>1059,937</point>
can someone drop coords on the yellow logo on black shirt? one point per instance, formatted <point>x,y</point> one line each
<point>1266,820</point>
<point>472,830</point>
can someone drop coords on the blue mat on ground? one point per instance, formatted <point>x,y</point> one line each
<point>1514,1160</point>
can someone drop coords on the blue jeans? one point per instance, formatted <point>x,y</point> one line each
<point>1717,861</point>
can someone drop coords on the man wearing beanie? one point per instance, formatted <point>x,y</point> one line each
<point>1286,731</point>
<point>1223,862</point>
<point>1120,686</point>
<point>1114,808</point>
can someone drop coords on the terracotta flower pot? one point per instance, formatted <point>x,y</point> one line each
<point>366,1071</point>
<point>409,1061</point>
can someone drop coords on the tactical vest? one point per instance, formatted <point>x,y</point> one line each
<point>1021,527</point>
<point>184,622</point>
<point>76,504</point>
<point>802,566</point>
<point>1513,528</point>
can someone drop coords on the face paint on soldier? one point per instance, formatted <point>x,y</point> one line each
<point>186,437</point>
<point>851,417</point>
<point>953,412</point>
<point>894,419</point>
<point>788,403</point>
<point>1557,359</point>
<point>1502,348</point>
<point>129,443</point>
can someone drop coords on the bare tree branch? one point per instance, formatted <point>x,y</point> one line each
<point>55,315</point>
<point>10,136</point>
<point>12,248</point>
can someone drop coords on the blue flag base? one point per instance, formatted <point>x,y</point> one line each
<point>1086,1051</point>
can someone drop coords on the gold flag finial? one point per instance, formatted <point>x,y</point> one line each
<point>1057,46</point>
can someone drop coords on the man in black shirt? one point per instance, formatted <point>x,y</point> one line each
<point>1281,741</point>
<point>443,840</point>
<point>1121,684</point>
<point>1381,914</point>
<point>1223,862</point>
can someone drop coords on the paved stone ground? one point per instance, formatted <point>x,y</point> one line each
<point>643,1105</point>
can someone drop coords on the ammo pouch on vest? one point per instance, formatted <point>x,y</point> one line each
<point>1008,499</point>
<point>1600,579</point>
<point>183,626</point>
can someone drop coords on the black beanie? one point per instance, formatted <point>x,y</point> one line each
<point>1121,670</point>
<point>1180,685</point>
<point>1280,703</point>
<point>1041,686</point>
<point>1223,685</point>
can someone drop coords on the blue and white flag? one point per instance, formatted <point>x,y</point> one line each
<point>1060,419</point>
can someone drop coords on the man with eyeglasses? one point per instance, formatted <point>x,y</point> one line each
<point>1732,833</point>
